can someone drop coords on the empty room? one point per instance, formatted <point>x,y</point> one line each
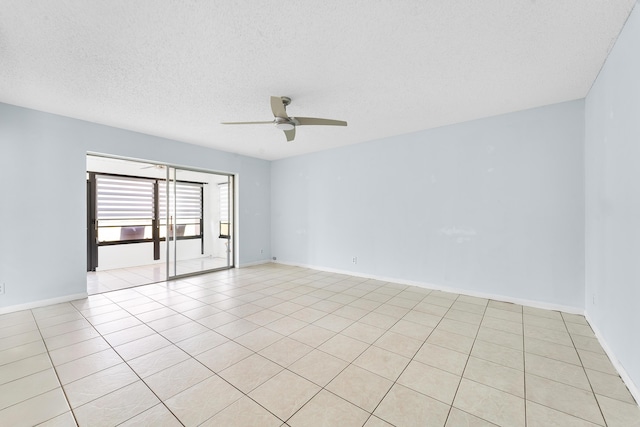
<point>416,213</point>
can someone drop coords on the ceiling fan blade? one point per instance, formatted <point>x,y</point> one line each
<point>247,123</point>
<point>277,106</point>
<point>290,134</point>
<point>321,122</point>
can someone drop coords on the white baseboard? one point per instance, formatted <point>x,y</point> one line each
<point>436,287</point>
<point>633,388</point>
<point>42,303</point>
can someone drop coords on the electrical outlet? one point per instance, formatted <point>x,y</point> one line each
<point>261,251</point>
<point>1,288</point>
<point>354,260</point>
<point>274,258</point>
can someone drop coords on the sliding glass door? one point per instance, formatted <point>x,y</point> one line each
<point>198,221</point>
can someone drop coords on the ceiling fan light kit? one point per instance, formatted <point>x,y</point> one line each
<point>288,124</point>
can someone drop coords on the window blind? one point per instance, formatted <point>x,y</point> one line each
<point>120,198</point>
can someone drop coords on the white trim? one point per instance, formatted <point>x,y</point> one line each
<point>435,287</point>
<point>633,389</point>
<point>42,303</point>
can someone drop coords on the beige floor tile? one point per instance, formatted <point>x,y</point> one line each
<point>556,370</point>
<point>374,421</point>
<point>573,401</point>
<point>574,318</point>
<point>177,378</point>
<point>169,322</point>
<point>27,387</point>
<point>343,347</point>
<point>127,335</point>
<point>35,410</point>
<point>587,343</point>
<point>433,382</point>
<point>202,342</point>
<point>156,416</point>
<point>76,351</point>
<point>498,354</point>
<point>442,358</point>
<point>581,330</point>
<point>157,361</point>
<point>249,373</point>
<point>236,328</point>
<point>397,343</point>
<point>379,320</point>
<point>550,314</point>
<point>333,322</point>
<point>217,320</point>
<point>470,308</point>
<point>435,310</point>
<point>318,367</point>
<point>243,413</point>
<point>363,332</point>
<point>502,314</point>
<point>473,300</point>
<point>464,316</point>
<point>117,325</point>
<point>503,325</point>
<point>360,387</point>
<point>223,356</point>
<point>19,339</point>
<point>197,404</point>
<point>543,416</point>
<point>452,341</point>
<point>284,394</point>
<point>490,404</point>
<point>609,385</point>
<point>550,335</point>
<point>70,338</point>
<point>286,325</point>
<point>142,346</point>
<point>285,351</point>
<point>64,420</point>
<point>458,418</point>
<point>618,413</point>
<point>99,384</point>
<point>502,305</point>
<point>64,328</point>
<point>258,339</point>
<point>458,327</point>
<point>24,367</point>
<point>405,407</point>
<point>312,335</point>
<point>79,368</point>
<point>326,409</point>
<point>505,339</point>
<point>382,362</point>
<point>411,329</point>
<point>494,375</point>
<point>183,332</point>
<point>347,311</point>
<point>310,315</point>
<point>422,318</point>
<point>544,322</point>
<point>116,407</point>
<point>551,350</point>
<point>597,362</point>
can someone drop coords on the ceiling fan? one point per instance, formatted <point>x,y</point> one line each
<point>286,123</point>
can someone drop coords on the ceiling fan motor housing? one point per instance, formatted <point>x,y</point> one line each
<point>283,123</point>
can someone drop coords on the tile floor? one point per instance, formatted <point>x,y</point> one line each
<point>273,345</point>
<point>123,278</point>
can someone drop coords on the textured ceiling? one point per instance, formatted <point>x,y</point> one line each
<point>178,68</point>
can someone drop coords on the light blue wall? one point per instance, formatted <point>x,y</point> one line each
<point>43,207</point>
<point>612,153</point>
<point>493,206</point>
